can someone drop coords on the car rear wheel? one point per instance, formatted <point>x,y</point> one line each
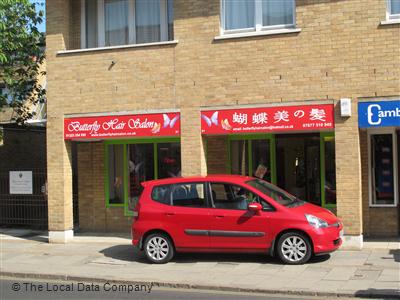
<point>158,248</point>
<point>294,248</point>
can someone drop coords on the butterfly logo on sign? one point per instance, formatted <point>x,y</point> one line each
<point>214,120</point>
<point>168,122</point>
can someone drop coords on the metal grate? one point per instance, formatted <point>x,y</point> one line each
<point>24,210</point>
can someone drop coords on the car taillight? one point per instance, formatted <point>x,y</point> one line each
<point>136,212</point>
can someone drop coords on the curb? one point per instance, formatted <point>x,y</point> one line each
<point>362,294</point>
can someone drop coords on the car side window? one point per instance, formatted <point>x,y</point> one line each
<point>229,196</point>
<point>162,194</point>
<point>188,195</point>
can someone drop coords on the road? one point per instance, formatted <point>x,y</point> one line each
<point>31,289</point>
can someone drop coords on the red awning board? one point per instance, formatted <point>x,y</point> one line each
<point>105,127</point>
<point>268,119</point>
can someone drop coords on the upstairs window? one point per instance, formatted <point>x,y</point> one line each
<point>123,22</point>
<point>393,9</point>
<point>257,15</point>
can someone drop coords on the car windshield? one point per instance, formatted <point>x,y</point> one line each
<point>275,193</point>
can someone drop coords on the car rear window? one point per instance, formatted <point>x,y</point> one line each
<point>162,194</point>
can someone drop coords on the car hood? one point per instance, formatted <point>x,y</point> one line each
<point>317,211</point>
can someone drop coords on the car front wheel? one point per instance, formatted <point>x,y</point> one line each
<point>158,248</point>
<point>294,248</point>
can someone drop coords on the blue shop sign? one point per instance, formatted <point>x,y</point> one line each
<point>379,114</point>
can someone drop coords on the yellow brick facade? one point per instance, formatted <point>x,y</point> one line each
<point>341,51</point>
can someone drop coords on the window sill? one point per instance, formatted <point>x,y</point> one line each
<point>390,22</point>
<point>174,42</point>
<point>257,33</point>
<point>383,205</point>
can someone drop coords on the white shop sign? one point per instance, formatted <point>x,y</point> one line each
<point>21,182</point>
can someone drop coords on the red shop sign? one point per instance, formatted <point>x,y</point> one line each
<point>105,127</point>
<point>267,119</point>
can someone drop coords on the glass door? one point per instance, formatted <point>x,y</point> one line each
<point>298,165</point>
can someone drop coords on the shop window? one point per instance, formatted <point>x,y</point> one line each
<point>130,164</point>
<point>140,167</point>
<point>115,174</point>
<point>257,15</point>
<point>261,166</point>
<point>393,9</point>
<point>169,160</point>
<point>258,164</point>
<point>123,22</point>
<point>239,157</point>
<point>382,176</point>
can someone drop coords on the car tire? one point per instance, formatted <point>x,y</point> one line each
<point>158,248</point>
<point>294,248</point>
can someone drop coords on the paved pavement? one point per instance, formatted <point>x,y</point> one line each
<point>373,271</point>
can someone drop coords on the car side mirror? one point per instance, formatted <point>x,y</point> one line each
<point>254,207</point>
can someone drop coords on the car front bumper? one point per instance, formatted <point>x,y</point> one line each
<point>327,239</point>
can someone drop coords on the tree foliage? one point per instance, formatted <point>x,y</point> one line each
<point>21,54</point>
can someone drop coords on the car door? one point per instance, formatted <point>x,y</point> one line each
<point>233,227</point>
<point>188,216</point>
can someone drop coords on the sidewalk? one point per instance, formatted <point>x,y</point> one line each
<point>373,271</point>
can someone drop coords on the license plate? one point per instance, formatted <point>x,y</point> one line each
<point>341,233</point>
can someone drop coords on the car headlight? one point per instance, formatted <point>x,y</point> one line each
<point>316,222</point>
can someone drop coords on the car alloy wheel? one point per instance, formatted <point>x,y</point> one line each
<point>294,248</point>
<point>158,248</point>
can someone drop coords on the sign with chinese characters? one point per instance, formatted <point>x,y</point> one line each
<point>105,127</point>
<point>379,114</point>
<point>268,119</point>
<point>21,182</point>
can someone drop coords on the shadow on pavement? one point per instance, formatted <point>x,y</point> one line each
<point>24,234</point>
<point>379,293</point>
<point>130,253</point>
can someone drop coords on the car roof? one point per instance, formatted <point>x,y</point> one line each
<point>215,177</point>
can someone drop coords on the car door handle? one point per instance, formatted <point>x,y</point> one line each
<point>219,216</point>
<point>170,214</point>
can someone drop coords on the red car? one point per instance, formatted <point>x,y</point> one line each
<point>229,213</point>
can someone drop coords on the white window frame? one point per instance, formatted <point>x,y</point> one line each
<point>258,22</point>
<point>131,23</point>
<point>377,131</point>
<point>389,15</point>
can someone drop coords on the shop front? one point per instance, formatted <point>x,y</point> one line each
<point>290,146</point>
<point>115,153</point>
<point>379,123</point>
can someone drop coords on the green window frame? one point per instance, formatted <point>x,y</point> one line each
<point>125,180</point>
<point>323,136</point>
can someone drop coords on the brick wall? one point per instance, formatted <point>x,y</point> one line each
<point>217,154</point>
<point>342,51</point>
